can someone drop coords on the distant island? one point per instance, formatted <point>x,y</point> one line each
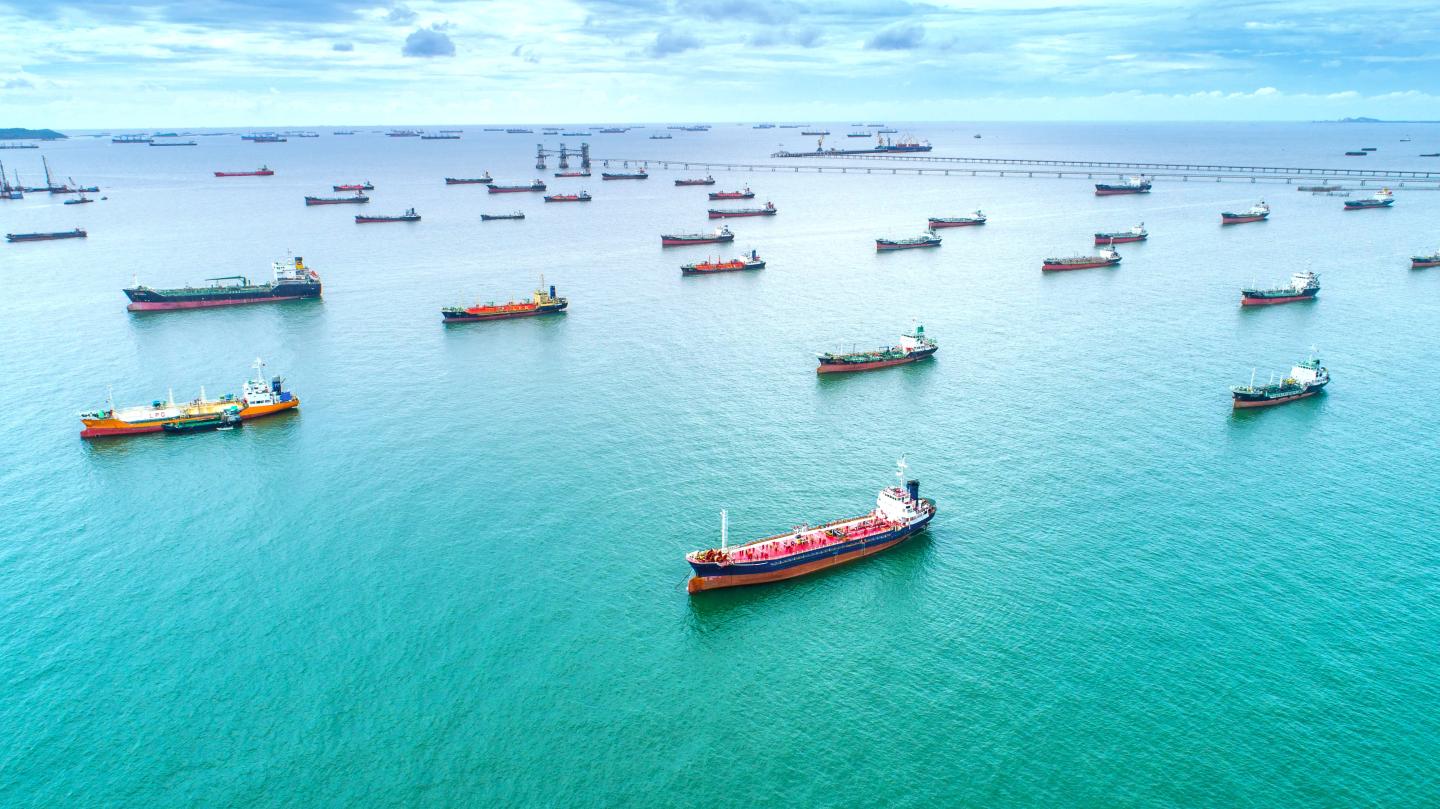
<point>30,134</point>
<point>1363,120</point>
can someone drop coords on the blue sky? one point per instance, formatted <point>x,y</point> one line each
<point>149,63</point>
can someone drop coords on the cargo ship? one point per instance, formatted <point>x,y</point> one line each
<point>1258,212</point>
<point>484,179</point>
<point>718,236</point>
<point>408,216</point>
<point>538,185</point>
<point>1421,262</point>
<point>1306,379</point>
<point>912,243</point>
<point>640,174</point>
<point>585,173</point>
<point>821,132</point>
<point>490,217</point>
<point>1304,286</point>
<point>258,398</point>
<point>440,137</point>
<point>292,281</point>
<point>750,262</point>
<point>977,218</point>
<point>1132,185</point>
<point>706,180</point>
<point>263,171</point>
<point>77,233</point>
<point>903,145</point>
<point>899,513</point>
<point>542,302</point>
<point>1319,189</point>
<point>731,213</point>
<point>357,199</point>
<point>267,139</point>
<point>1107,258</point>
<point>580,197</point>
<point>744,193</point>
<point>132,139</point>
<point>403,133</point>
<point>1356,154</point>
<point>1382,199</point>
<point>913,347</point>
<point>365,186</point>
<point>1135,234</point>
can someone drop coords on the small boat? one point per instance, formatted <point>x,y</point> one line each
<point>484,179</point>
<point>1431,154</point>
<point>357,199</point>
<point>80,201</point>
<point>913,347</point>
<point>744,193</point>
<point>580,197</point>
<point>662,136</point>
<point>1135,234</point>
<point>1305,379</point>
<point>899,514</point>
<point>365,186</point>
<point>638,174</point>
<point>1258,212</point>
<point>1107,258</point>
<point>408,216</point>
<point>977,218</point>
<point>1367,148</point>
<point>912,243</point>
<point>706,180</point>
<point>515,189</point>
<point>542,302</point>
<point>1421,262</point>
<point>718,236</point>
<point>77,233</point>
<point>584,173</point>
<point>750,262</point>
<point>227,419</point>
<point>1303,286</point>
<point>263,171</point>
<point>1383,198</point>
<point>731,213</point>
<point>1132,185</point>
<point>490,217</point>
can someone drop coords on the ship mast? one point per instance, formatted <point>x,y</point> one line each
<point>724,530</point>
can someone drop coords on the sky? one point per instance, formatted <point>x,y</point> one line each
<point>99,64</point>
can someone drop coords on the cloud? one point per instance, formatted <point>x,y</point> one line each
<point>671,41</point>
<point>427,42</point>
<point>522,52</point>
<point>343,47</point>
<point>901,36</point>
<point>807,36</point>
<point>761,11</point>
<point>17,84</point>
<point>401,14</point>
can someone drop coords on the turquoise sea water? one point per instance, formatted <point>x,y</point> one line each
<point>455,577</point>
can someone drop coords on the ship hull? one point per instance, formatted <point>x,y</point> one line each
<point>44,237</point>
<point>1367,206</point>
<point>739,214</point>
<point>150,300</point>
<point>752,265</point>
<point>1244,404</point>
<point>935,224</point>
<point>1088,265</point>
<point>883,247</point>
<point>1229,219</point>
<point>666,241</point>
<point>474,318</point>
<point>848,367</point>
<point>1105,239</point>
<point>497,189</point>
<point>103,428</point>
<point>694,182</point>
<point>1261,300</point>
<point>343,201</point>
<point>244,174</point>
<point>1422,263</point>
<point>1102,191</point>
<point>475,181</point>
<point>711,576</point>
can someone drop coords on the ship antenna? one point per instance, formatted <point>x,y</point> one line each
<point>724,530</point>
<point>259,366</point>
<point>900,470</point>
<point>110,397</point>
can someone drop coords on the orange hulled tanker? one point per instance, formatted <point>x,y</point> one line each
<point>899,513</point>
<point>259,398</point>
<point>542,302</point>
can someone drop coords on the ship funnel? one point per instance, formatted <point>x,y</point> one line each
<point>912,487</point>
<point>552,290</point>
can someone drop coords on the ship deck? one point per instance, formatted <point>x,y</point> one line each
<point>803,540</point>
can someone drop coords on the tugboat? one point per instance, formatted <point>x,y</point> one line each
<point>77,233</point>
<point>1135,234</point>
<point>912,243</point>
<point>227,419</point>
<point>718,236</point>
<point>484,179</point>
<point>491,217</point>
<point>750,262</point>
<point>357,199</point>
<point>542,302</point>
<point>1132,185</point>
<point>1258,212</point>
<point>258,398</point>
<point>706,180</point>
<point>538,185</point>
<point>580,197</point>
<point>638,174</point>
<point>263,171</point>
<point>292,281</point>
<point>1382,199</point>
<point>583,173</point>
<point>899,513</point>
<point>744,193</point>
<point>1107,258</point>
<point>977,218</point>
<point>408,216</point>
<point>731,213</point>
<point>1306,379</point>
<point>365,186</point>
<point>913,348</point>
<point>1421,262</point>
<point>1304,286</point>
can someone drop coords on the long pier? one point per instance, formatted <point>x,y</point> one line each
<point>1054,169</point>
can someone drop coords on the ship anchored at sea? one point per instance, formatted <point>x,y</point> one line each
<point>292,281</point>
<point>1305,379</point>
<point>258,398</point>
